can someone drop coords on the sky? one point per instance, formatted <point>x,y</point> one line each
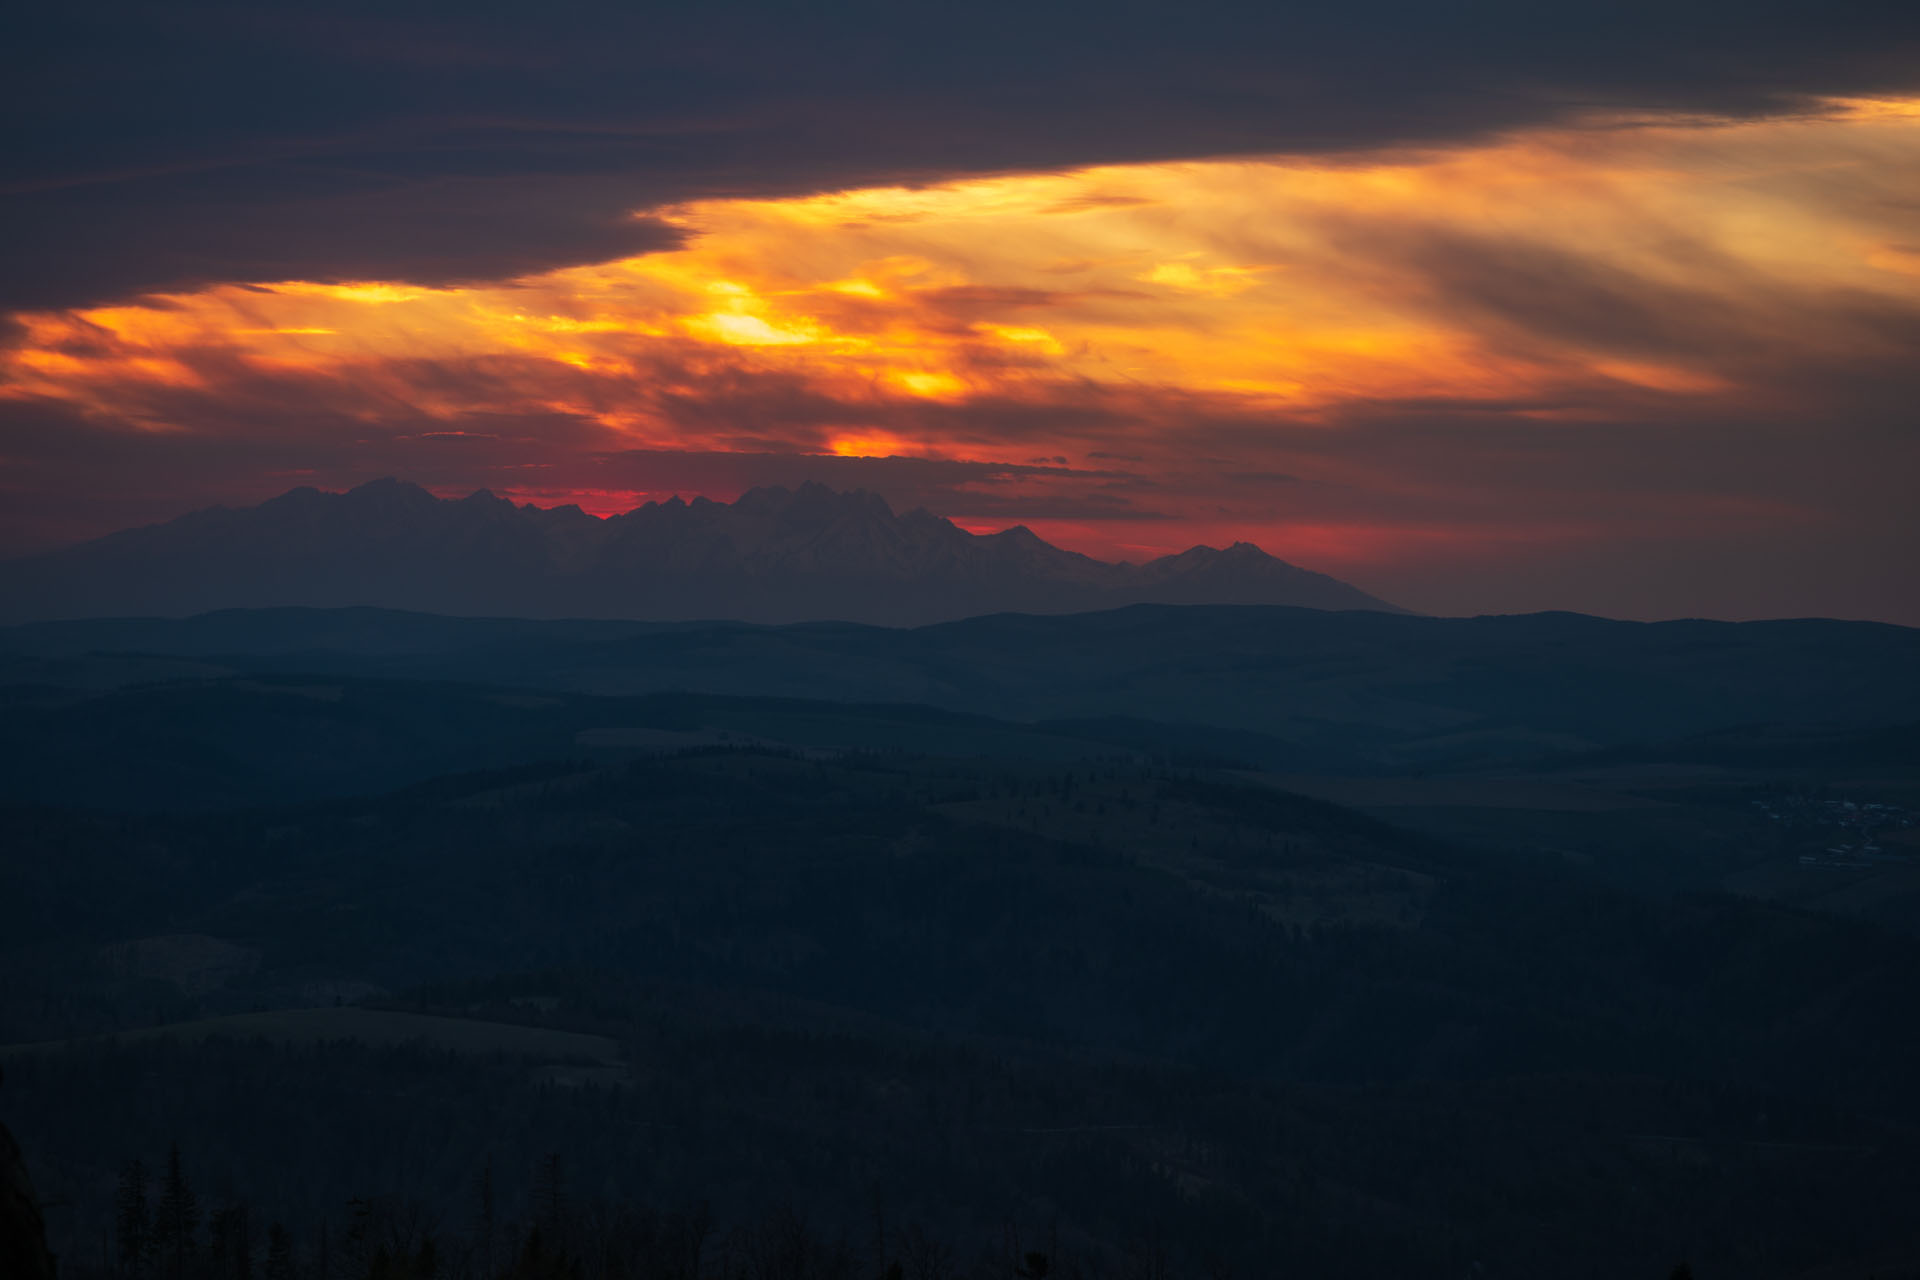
<point>1492,308</point>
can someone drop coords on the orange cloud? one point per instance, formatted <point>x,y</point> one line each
<point>1298,286</point>
<point>1634,269</point>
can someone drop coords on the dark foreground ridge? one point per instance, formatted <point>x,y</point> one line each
<point>775,555</point>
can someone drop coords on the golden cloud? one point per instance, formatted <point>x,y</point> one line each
<point>1629,267</point>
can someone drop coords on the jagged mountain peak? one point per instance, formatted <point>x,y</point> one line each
<point>390,489</point>
<point>1232,551</point>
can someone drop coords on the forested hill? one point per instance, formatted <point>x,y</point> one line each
<point>1143,1011</point>
<point>1359,689</point>
<point>1193,942</point>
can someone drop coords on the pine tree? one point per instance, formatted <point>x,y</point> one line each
<point>242,1243</point>
<point>279,1264</point>
<point>133,1222</point>
<point>230,1244</point>
<point>550,1199</point>
<point>551,1191</point>
<point>361,1256</point>
<point>488,1218</point>
<point>177,1222</point>
<point>220,1244</point>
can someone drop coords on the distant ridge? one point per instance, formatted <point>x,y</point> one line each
<point>775,555</point>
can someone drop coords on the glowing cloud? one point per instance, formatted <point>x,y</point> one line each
<point>1630,271</point>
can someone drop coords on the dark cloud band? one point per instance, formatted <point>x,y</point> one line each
<point>164,147</point>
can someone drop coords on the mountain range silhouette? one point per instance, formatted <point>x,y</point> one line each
<point>774,555</point>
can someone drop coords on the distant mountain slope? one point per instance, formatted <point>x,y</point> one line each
<point>775,555</point>
<point>1314,689</point>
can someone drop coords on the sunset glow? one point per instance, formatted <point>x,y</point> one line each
<point>1108,328</point>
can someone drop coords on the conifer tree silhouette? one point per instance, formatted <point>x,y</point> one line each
<point>133,1222</point>
<point>279,1264</point>
<point>176,1222</point>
